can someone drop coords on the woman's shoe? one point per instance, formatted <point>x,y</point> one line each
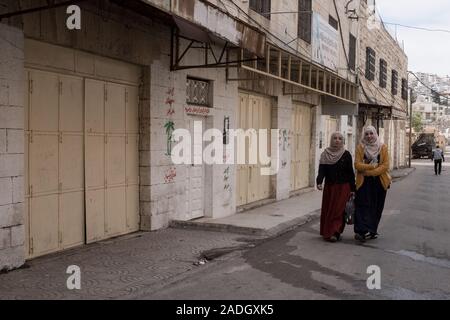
<point>373,236</point>
<point>333,239</point>
<point>360,237</point>
<point>338,237</point>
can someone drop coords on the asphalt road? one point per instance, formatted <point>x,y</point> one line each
<point>413,254</point>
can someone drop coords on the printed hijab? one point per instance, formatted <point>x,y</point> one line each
<point>371,149</point>
<point>334,152</point>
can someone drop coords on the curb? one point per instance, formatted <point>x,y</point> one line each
<point>407,173</point>
<point>262,233</point>
<point>217,227</point>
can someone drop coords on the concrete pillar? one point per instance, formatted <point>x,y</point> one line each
<point>12,81</point>
<point>282,117</point>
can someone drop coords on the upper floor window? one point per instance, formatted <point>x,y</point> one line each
<point>404,89</point>
<point>350,121</point>
<point>262,7</point>
<point>394,84</point>
<point>305,20</point>
<point>333,22</point>
<point>383,73</point>
<point>198,92</point>
<point>352,52</point>
<point>370,64</point>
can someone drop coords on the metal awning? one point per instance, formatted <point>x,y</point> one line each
<point>297,74</point>
<point>199,24</point>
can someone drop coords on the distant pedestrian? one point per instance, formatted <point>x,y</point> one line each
<point>438,157</point>
<point>336,167</point>
<point>372,182</point>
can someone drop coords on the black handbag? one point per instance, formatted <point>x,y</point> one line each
<point>350,211</point>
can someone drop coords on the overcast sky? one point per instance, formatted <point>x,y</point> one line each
<point>427,51</point>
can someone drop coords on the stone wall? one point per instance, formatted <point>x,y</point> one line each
<point>12,83</point>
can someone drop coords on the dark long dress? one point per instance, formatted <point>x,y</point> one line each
<point>369,206</point>
<point>339,183</point>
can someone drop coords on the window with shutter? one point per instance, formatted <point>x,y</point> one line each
<point>383,73</point>
<point>370,64</point>
<point>394,85</point>
<point>404,89</point>
<point>352,52</point>
<point>263,7</point>
<point>333,22</point>
<point>305,20</point>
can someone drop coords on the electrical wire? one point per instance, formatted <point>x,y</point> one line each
<point>426,86</point>
<point>305,55</point>
<point>342,36</point>
<point>407,26</point>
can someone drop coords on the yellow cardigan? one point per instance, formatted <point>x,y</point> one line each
<point>368,170</point>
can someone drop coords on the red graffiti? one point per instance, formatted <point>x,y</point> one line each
<point>170,101</point>
<point>171,111</point>
<point>197,110</point>
<point>170,175</point>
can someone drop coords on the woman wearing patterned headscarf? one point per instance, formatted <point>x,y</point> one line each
<point>372,182</point>
<point>336,167</point>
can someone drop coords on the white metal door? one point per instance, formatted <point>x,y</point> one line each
<point>195,175</point>
<point>331,125</point>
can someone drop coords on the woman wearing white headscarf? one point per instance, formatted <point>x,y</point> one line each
<point>372,182</point>
<point>336,167</point>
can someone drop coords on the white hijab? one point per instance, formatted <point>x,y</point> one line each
<point>371,149</point>
<point>334,152</point>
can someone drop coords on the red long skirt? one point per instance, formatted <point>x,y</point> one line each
<point>335,197</point>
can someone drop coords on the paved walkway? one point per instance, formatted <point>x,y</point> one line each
<point>268,220</point>
<point>116,268</point>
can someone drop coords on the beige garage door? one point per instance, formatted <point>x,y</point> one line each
<point>55,163</point>
<point>60,154</point>
<point>112,164</point>
<point>301,146</point>
<point>254,113</point>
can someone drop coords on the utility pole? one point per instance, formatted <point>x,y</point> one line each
<point>410,125</point>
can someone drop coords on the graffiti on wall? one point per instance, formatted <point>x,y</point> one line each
<point>197,111</point>
<point>227,186</point>
<point>226,179</point>
<point>169,126</point>
<point>170,100</point>
<point>284,139</point>
<point>170,175</point>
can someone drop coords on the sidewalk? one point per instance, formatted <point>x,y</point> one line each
<point>266,221</point>
<point>119,268</point>
<point>401,173</point>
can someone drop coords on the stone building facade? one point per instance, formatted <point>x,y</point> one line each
<point>383,73</point>
<point>87,116</point>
